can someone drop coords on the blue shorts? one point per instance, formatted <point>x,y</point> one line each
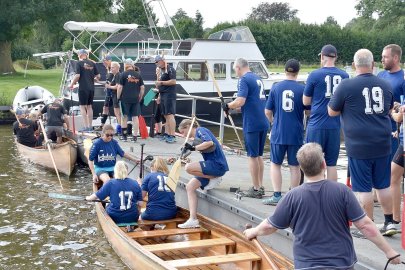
<point>210,168</point>
<point>158,214</point>
<point>100,170</point>
<point>254,142</point>
<point>370,173</point>
<point>329,139</point>
<point>277,153</point>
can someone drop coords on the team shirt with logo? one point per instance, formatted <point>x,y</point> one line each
<point>87,70</point>
<point>131,82</point>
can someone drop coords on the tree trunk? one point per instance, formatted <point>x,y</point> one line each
<point>6,65</point>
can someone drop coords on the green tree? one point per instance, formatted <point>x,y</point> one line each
<point>390,13</point>
<point>277,11</point>
<point>180,14</point>
<point>132,11</point>
<point>198,27</point>
<point>330,20</point>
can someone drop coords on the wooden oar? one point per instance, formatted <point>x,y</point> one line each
<point>223,101</point>
<point>71,197</point>
<point>50,152</point>
<point>263,251</point>
<point>174,173</point>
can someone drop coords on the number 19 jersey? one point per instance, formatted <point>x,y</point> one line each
<point>321,85</point>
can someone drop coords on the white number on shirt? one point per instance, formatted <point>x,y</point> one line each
<point>122,195</point>
<point>331,84</point>
<point>288,102</point>
<point>162,183</point>
<point>262,94</point>
<point>378,98</point>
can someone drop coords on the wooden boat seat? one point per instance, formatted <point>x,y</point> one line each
<point>220,259</point>
<point>167,232</point>
<point>152,222</point>
<point>206,243</point>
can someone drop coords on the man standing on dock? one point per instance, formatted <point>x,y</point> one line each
<point>365,103</point>
<point>320,87</point>
<point>251,99</point>
<point>86,74</point>
<point>166,84</point>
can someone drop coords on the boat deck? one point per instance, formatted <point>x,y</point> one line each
<point>222,205</point>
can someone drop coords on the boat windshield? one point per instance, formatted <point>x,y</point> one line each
<point>255,67</point>
<point>238,33</point>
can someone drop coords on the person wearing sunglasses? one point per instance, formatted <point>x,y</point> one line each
<point>103,155</point>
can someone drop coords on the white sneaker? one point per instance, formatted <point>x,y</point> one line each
<point>190,223</point>
<point>397,227</point>
<point>214,182</point>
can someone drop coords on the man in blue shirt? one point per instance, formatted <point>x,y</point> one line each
<point>393,73</point>
<point>365,103</point>
<point>285,106</point>
<point>318,212</point>
<point>320,87</point>
<point>251,99</point>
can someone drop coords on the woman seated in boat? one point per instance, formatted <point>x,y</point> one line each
<point>103,154</point>
<point>207,173</point>
<point>125,196</point>
<point>26,129</point>
<point>161,204</point>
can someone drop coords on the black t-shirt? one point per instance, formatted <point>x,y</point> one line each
<point>167,75</point>
<point>87,70</point>
<point>131,82</point>
<point>55,112</point>
<point>25,133</point>
<point>113,80</point>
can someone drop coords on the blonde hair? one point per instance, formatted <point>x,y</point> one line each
<point>120,170</point>
<point>186,123</point>
<point>159,165</point>
<point>107,127</point>
<point>114,63</point>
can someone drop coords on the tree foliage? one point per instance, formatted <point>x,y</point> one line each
<point>132,11</point>
<point>390,13</point>
<point>277,11</point>
<point>189,27</point>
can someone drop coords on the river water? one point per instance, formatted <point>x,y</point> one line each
<point>37,232</point>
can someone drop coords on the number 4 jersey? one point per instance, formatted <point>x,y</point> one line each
<point>364,103</point>
<point>320,86</point>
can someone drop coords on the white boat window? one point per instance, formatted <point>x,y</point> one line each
<point>191,71</point>
<point>255,67</point>
<point>220,71</point>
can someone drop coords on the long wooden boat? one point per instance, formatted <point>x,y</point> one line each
<point>65,155</point>
<point>212,246</point>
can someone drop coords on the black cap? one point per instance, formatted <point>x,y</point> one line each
<point>328,50</point>
<point>292,66</point>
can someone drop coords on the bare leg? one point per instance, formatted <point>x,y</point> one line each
<point>117,114</point>
<point>396,177</point>
<point>170,124</point>
<point>261,170</point>
<point>159,127</point>
<point>124,122</point>
<point>275,175</point>
<point>135,127</point>
<point>192,196</point>
<point>90,115</point>
<point>254,171</point>
<point>384,196</point>
<point>194,168</point>
<point>331,173</point>
<point>83,111</point>
<point>104,177</point>
<point>366,202</point>
<point>59,140</point>
<point>295,176</point>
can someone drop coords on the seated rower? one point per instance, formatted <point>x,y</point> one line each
<point>161,204</point>
<point>103,155</point>
<point>207,173</point>
<point>57,117</point>
<point>25,129</point>
<point>125,196</point>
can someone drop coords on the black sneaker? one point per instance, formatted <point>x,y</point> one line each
<point>252,193</point>
<point>134,138</point>
<point>123,138</point>
<point>261,189</point>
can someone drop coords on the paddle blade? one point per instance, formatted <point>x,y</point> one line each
<point>65,196</point>
<point>87,144</point>
<point>142,127</point>
<point>149,97</point>
<point>174,175</point>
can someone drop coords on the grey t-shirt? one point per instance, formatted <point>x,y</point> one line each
<point>318,214</point>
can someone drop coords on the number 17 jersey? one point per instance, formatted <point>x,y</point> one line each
<point>320,86</point>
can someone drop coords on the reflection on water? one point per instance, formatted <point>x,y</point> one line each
<point>37,232</point>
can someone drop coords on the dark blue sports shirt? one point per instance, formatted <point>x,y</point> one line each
<point>104,154</point>
<point>217,155</point>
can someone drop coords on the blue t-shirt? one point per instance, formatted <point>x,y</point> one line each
<point>104,154</point>
<point>251,88</point>
<point>217,155</point>
<point>326,243</point>
<point>285,100</point>
<point>321,85</point>
<point>364,103</point>
<point>124,196</point>
<point>160,197</point>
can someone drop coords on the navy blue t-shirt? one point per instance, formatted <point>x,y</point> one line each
<point>166,75</point>
<point>124,196</point>
<point>251,87</point>
<point>285,100</point>
<point>364,103</point>
<point>104,154</point>
<point>87,70</point>
<point>321,85</point>
<point>318,214</point>
<point>160,197</point>
<point>217,155</point>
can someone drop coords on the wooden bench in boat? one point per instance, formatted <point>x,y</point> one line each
<point>152,222</point>
<point>190,244</point>
<point>166,232</point>
<point>210,260</point>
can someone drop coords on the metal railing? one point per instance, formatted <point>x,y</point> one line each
<point>221,122</point>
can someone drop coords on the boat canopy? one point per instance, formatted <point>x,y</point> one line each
<point>50,54</point>
<point>238,33</point>
<point>97,26</point>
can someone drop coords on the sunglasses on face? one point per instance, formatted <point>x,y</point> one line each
<point>109,135</point>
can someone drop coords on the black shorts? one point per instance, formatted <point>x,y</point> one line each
<point>167,104</point>
<point>86,97</point>
<point>399,156</point>
<point>108,102</point>
<point>115,100</point>
<point>131,109</point>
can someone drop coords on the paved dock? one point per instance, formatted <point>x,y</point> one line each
<point>222,205</point>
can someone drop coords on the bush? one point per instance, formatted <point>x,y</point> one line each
<point>21,50</point>
<point>31,64</point>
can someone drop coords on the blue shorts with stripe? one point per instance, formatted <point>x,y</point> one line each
<point>278,151</point>
<point>255,142</point>
<point>329,139</point>
<point>211,168</point>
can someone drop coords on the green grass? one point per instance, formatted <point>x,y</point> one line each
<point>10,84</point>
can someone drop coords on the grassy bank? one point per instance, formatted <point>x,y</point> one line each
<point>10,84</point>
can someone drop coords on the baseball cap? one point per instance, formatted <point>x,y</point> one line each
<point>129,61</point>
<point>107,57</point>
<point>328,50</point>
<point>158,58</point>
<point>292,66</point>
<point>20,111</point>
<point>82,51</point>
